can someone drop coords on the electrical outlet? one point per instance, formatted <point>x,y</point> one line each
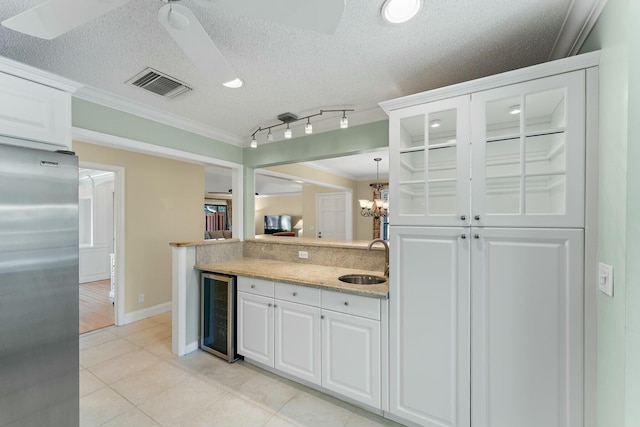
<point>303,254</point>
<point>140,298</point>
<point>605,279</point>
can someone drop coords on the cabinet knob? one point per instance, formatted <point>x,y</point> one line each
<point>463,236</point>
<point>476,236</point>
<point>346,303</point>
<point>463,217</point>
<point>295,294</point>
<point>275,305</point>
<point>253,286</point>
<point>322,316</point>
<point>477,217</point>
<point>270,304</point>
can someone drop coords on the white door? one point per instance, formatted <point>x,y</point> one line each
<point>429,325</point>
<point>297,340</point>
<point>529,153</point>
<point>351,356</point>
<point>429,163</point>
<point>527,328</point>
<point>331,216</point>
<point>255,328</point>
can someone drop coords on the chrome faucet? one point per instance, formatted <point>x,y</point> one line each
<point>386,254</point>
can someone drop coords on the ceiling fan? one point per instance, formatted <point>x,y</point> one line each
<point>53,18</point>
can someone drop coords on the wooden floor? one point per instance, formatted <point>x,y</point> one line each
<point>96,311</point>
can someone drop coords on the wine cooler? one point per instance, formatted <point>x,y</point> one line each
<point>218,315</point>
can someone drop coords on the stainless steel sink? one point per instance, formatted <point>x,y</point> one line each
<point>362,279</point>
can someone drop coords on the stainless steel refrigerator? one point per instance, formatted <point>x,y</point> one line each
<point>38,288</point>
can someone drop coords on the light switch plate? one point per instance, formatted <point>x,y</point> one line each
<point>605,279</point>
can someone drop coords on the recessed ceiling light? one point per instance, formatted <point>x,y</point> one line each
<point>399,11</point>
<point>233,84</point>
<point>514,109</point>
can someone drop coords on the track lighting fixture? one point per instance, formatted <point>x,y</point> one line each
<point>344,122</point>
<point>288,118</point>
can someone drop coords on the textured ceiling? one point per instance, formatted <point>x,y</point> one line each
<point>287,69</point>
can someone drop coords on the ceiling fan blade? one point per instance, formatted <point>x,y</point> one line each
<point>55,17</point>
<point>318,15</point>
<point>184,28</point>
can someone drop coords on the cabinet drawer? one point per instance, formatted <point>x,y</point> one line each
<point>255,286</point>
<point>351,304</point>
<point>296,293</point>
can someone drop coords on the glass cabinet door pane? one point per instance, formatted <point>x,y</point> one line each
<point>503,195</point>
<point>502,158</point>
<point>412,131</point>
<point>411,200</point>
<point>442,198</point>
<point>545,111</point>
<point>442,127</point>
<point>503,117</point>
<point>412,166</point>
<point>442,163</point>
<point>545,194</point>
<point>545,154</point>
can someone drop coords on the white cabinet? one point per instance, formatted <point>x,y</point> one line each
<point>528,168</point>
<point>297,340</point>
<point>256,327</point>
<point>351,350</point>
<point>330,339</point>
<point>429,154</point>
<point>32,111</point>
<point>490,250</point>
<point>511,156</point>
<point>429,325</point>
<point>527,328</point>
<point>351,356</point>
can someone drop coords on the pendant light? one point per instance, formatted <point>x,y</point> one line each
<point>308,129</point>
<point>287,132</point>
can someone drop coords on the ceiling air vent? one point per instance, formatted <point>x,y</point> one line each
<point>159,83</point>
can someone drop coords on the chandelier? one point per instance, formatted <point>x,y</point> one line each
<point>377,207</point>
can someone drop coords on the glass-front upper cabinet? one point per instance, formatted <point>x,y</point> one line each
<point>429,152</point>
<point>528,153</point>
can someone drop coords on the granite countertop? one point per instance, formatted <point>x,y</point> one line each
<point>318,276</point>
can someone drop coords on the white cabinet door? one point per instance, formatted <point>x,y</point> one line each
<point>297,340</point>
<point>429,326</point>
<point>351,356</point>
<point>35,112</point>
<point>429,164</point>
<point>255,328</point>
<point>528,150</point>
<point>527,328</point>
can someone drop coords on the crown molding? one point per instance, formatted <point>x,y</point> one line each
<point>24,71</point>
<point>559,66</point>
<point>110,100</point>
<point>580,20</point>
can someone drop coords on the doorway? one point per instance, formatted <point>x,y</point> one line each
<point>97,247</point>
<point>333,216</point>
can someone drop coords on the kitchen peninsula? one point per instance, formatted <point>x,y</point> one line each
<point>274,258</point>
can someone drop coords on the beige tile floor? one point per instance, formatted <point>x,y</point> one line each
<point>129,377</point>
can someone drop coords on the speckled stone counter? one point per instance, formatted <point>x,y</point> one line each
<point>318,276</point>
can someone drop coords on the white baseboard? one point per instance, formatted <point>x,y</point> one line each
<point>191,347</point>
<point>134,316</point>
